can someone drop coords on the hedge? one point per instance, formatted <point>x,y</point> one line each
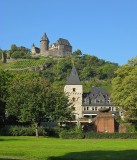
<point>29,131</point>
<point>94,135</point>
<point>71,135</point>
<point>21,131</point>
<point>90,135</point>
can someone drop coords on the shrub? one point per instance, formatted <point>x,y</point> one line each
<point>53,131</point>
<point>21,131</point>
<point>72,134</point>
<point>130,128</point>
<point>90,135</point>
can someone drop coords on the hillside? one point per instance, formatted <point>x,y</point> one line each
<point>92,70</point>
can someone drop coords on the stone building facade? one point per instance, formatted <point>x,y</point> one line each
<point>74,91</point>
<point>87,104</point>
<point>61,48</point>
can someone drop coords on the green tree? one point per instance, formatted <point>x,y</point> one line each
<point>14,47</point>
<point>31,99</point>
<point>106,71</point>
<point>0,53</point>
<point>5,81</point>
<point>77,52</point>
<point>87,72</point>
<point>124,91</point>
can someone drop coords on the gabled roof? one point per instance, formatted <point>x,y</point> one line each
<point>96,91</point>
<point>73,79</point>
<point>100,96</point>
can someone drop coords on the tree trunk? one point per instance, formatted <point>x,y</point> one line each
<point>36,129</point>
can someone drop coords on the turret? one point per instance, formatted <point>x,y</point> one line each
<point>33,49</point>
<point>44,44</point>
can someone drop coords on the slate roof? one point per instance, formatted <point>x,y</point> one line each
<point>95,94</point>
<point>62,41</point>
<point>98,92</point>
<point>45,37</point>
<point>73,79</point>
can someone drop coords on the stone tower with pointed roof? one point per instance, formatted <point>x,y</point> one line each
<point>44,44</point>
<point>74,90</point>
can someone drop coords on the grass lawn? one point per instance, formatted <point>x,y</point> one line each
<point>31,148</point>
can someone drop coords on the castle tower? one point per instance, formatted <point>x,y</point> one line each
<point>33,49</point>
<point>74,90</point>
<point>44,44</point>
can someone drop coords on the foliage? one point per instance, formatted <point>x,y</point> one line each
<point>31,99</point>
<point>28,63</point>
<point>21,131</point>
<point>130,128</point>
<point>0,54</point>
<point>71,135</point>
<point>5,81</point>
<point>18,52</point>
<point>92,70</point>
<point>77,53</point>
<point>124,92</point>
<point>89,135</point>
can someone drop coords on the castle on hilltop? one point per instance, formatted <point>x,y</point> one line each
<point>62,48</point>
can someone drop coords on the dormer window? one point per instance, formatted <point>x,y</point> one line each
<point>74,89</point>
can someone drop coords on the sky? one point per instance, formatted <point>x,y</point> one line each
<point>103,28</point>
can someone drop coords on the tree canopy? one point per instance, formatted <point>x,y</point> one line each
<point>32,99</point>
<point>124,91</point>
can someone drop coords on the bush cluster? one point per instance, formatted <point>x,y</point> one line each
<point>64,134</point>
<point>21,131</point>
<point>71,135</point>
<point>93,135</point>
<point>89,135</point>
<point>29,131</point>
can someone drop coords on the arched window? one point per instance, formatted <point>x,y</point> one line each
<point>74,89</point>
<point>73,99</point>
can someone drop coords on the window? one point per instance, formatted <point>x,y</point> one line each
<point>74,89</point>
<point>73,99</point>
<point>87,108</point>
<point>73,108</point>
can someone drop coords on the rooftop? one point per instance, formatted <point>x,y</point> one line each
<point>73,79</point>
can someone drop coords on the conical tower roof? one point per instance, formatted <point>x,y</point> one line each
<point>45,37</point>
<point>73,79</point>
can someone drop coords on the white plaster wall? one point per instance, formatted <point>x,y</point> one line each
<point>77,94</point>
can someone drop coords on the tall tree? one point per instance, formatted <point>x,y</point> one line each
<point>31,99</point>
<point>124,91</point>
<point>5,81</point>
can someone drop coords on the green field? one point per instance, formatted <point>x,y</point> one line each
<point>32,148</point>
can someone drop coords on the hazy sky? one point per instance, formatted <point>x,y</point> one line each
<point>104,28</point>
